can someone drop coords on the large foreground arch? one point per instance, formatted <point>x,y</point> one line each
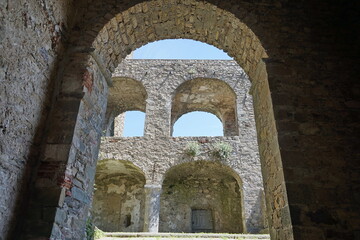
<point>122,33</point>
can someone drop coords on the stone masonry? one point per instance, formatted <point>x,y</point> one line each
<point>217,86</point>
<point>301,58</point>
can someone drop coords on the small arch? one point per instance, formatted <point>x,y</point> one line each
<point>204,185</point>
<point>118,203</point>
<point>208,95</point>
<point>126,95</point>
<point>134,124</point>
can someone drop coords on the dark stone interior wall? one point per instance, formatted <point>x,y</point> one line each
<point>32,40</point>
<point>312,77</point>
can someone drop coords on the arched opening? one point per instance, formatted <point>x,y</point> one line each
<point>128,124</point>
<point>118,202</point>
<point>201,197</point>
<point>133,124</point>
<point>198,124</point>
<point>126,108</point>
<point>114,32</point>
<point>209,95</point>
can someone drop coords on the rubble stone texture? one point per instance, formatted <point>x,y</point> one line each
<point>172,88</point>
<point>118,203</point>
<point>301,57</point>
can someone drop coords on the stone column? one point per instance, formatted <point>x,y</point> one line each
<point>152,207</point>
<point>158,111</point>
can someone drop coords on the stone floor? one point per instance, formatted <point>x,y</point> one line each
<point>185,236</point>
<point>176,238</point>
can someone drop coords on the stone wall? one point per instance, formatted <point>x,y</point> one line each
<point>155,157</point>
<point>163,83</point>
<point>77,186</point>
<point>211,24</point>
<point>31,40</point>
<point>119,124</point>
<point>312,53</point>
<point>219,86</point>
<point>63,185</point>
<point>118,204</point>
<point>207,186</point>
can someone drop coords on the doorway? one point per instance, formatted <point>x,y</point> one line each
<point>201,220</point>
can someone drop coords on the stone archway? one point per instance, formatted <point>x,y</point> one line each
<point>118,204</point>
<point>201,185</point>
<point>120,34</point>
<point>208,95</point>
<point>126,94</point>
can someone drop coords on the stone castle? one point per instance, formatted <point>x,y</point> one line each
<point>56,64</point>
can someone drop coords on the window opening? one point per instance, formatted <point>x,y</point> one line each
<point>198,124</point>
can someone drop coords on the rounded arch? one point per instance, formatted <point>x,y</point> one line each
<point>209,187</point>
<point>113,168</point>
<point>208,95</point>
<point>117,182</point>
<point>195,20</point>
<point>126,94</point>
<point>112,31</point>
<point>202,168</point>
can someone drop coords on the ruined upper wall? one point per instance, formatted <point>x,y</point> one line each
<point>207,84</point>
<point>162,79</point>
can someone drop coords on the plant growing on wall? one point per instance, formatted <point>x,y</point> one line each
<point>92,232</point>
<point>222,150</point>
<point>98,234</point>
<point>192,149</point>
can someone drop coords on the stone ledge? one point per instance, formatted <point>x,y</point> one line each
<point>188,235</point>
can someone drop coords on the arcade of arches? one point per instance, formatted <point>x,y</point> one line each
<point>232,197</point>
<point>56,63</point>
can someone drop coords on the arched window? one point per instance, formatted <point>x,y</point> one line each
<point>198,124</point>
<point>132,125</point>
<point>208,95</point>
<point>126,107</point>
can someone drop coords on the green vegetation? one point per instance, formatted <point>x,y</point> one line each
<point>222,150</point>
<point>98,233</point>
<point>92,232</point>
<point>192,149</point>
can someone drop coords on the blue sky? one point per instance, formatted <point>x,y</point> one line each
<point>179,49</point>
<point>191,124</point>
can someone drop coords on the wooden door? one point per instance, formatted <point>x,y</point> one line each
<point>201,220</point>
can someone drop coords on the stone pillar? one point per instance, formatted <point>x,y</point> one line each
<point>119,123</point>
<point>152,207</point>
<point>158,111</point>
